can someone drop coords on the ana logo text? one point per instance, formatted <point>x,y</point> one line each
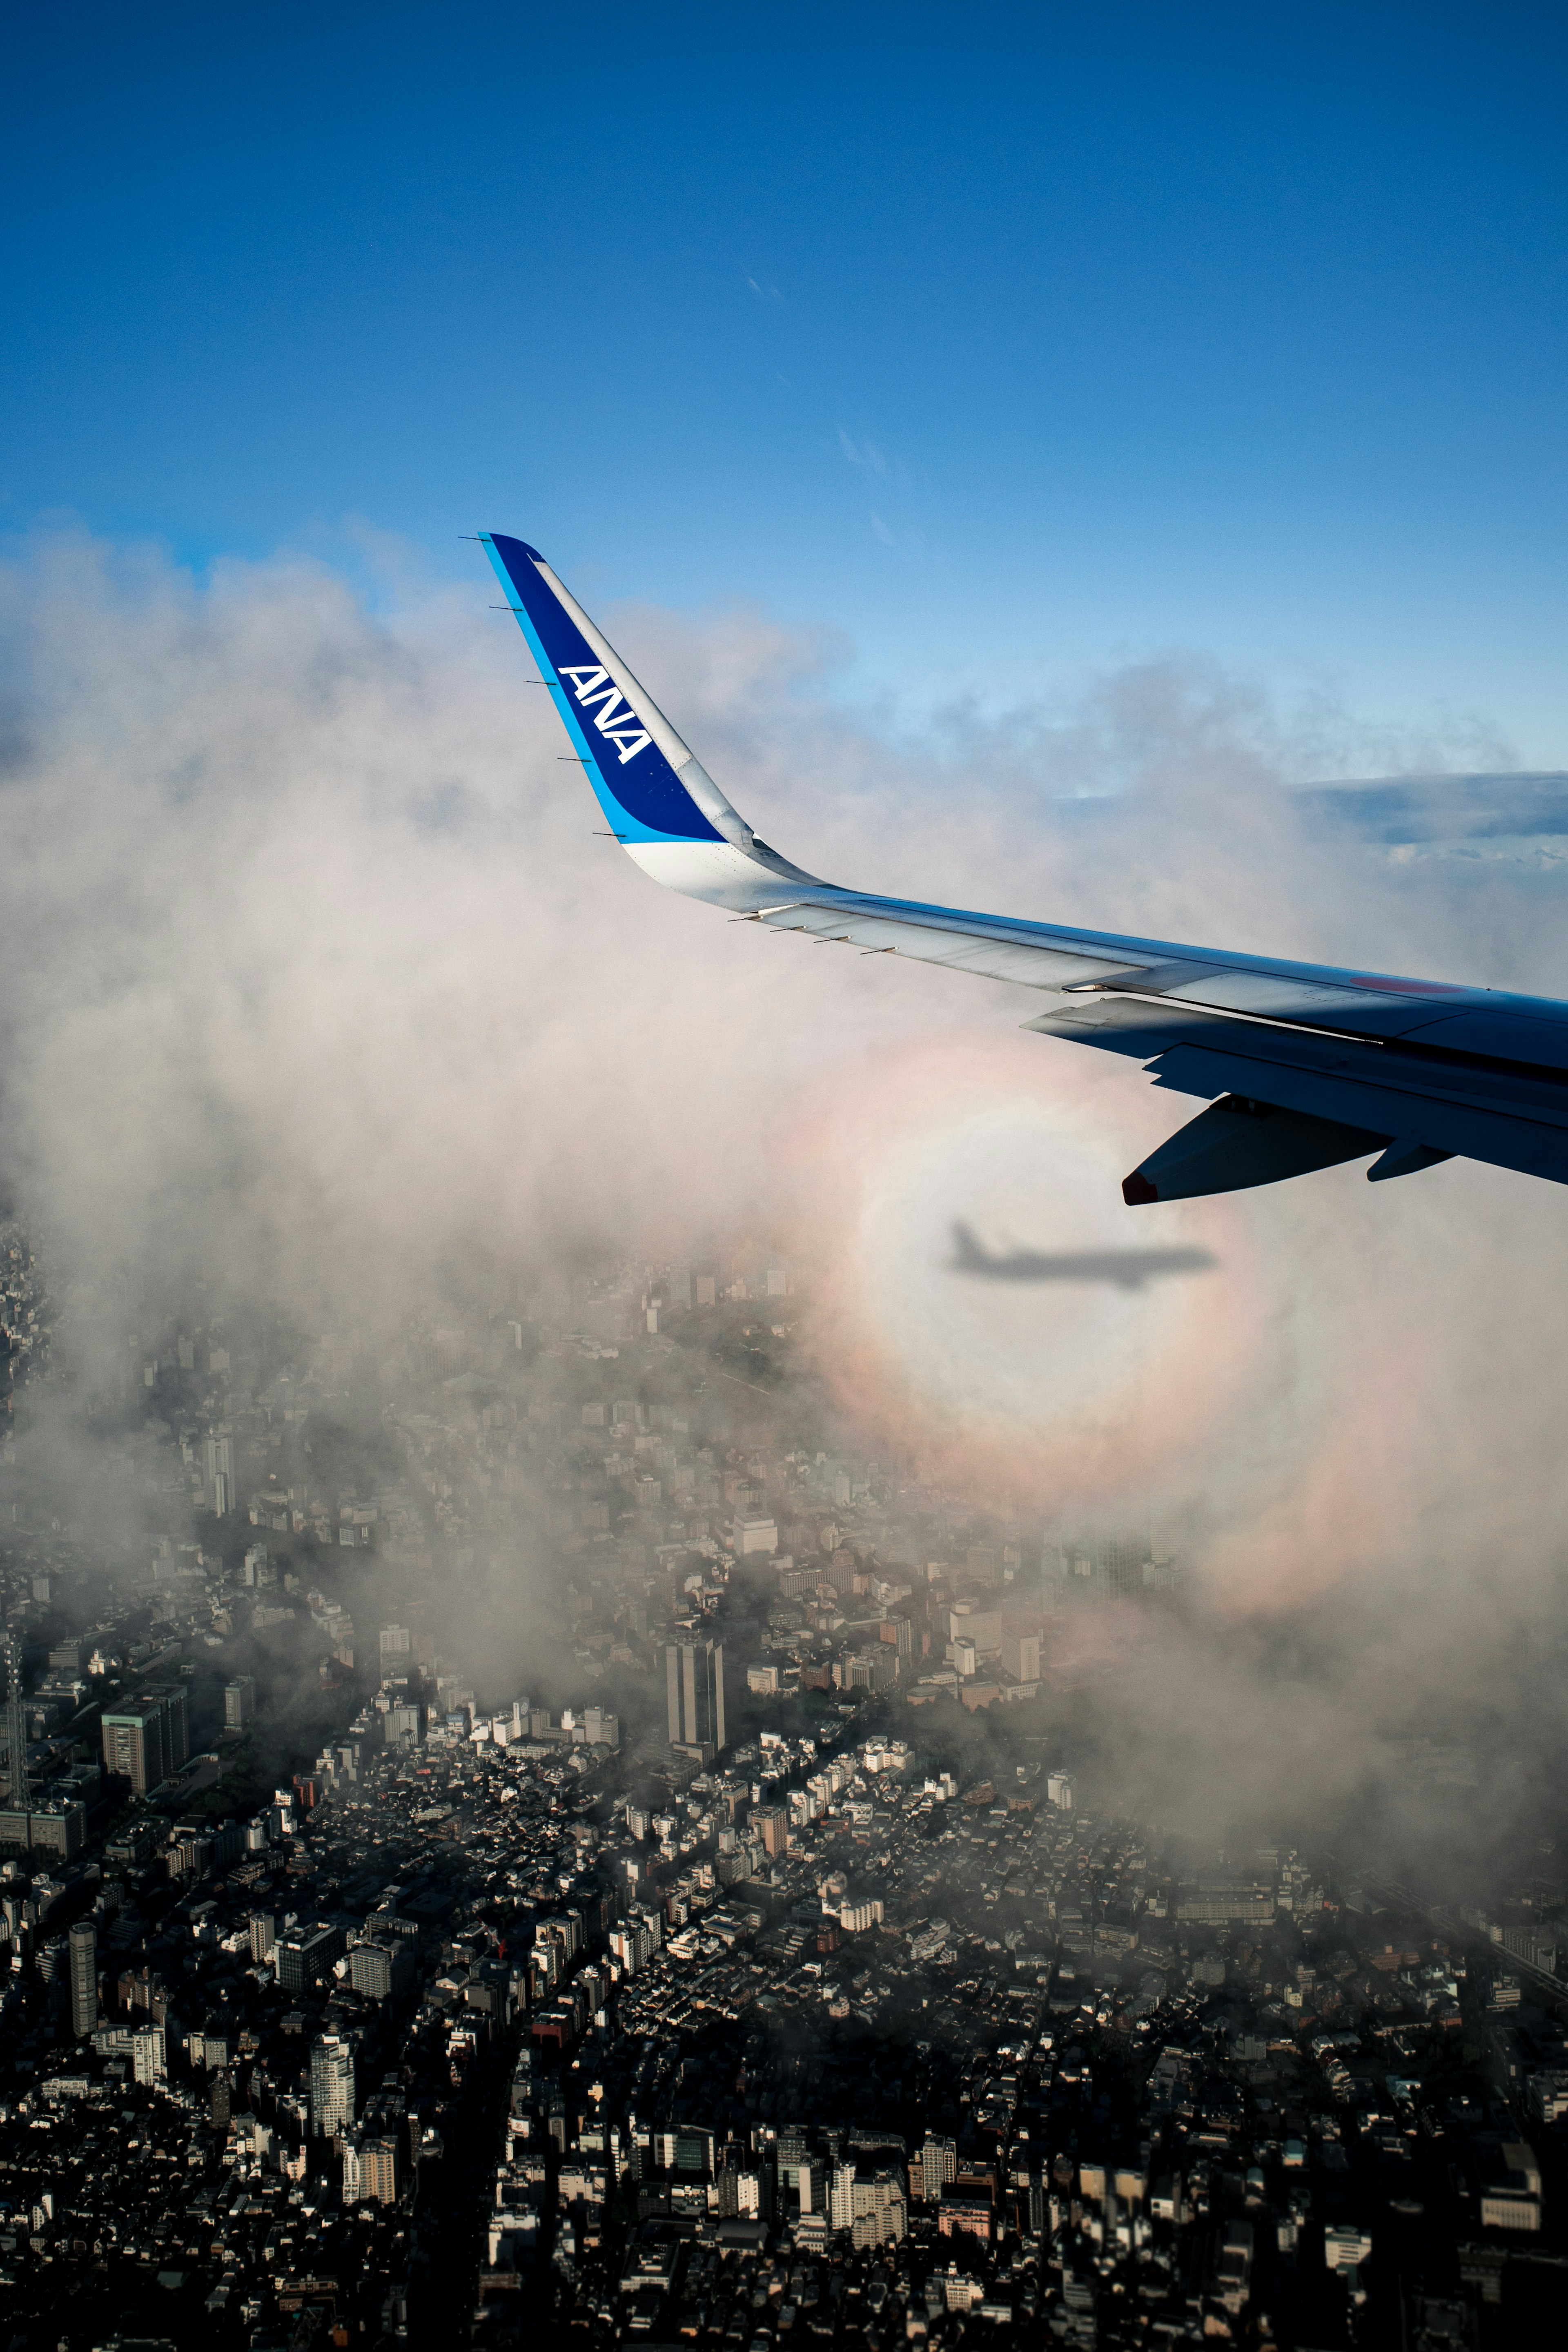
<point>613,717</point>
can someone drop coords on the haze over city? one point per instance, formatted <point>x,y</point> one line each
<point>666,1681</point>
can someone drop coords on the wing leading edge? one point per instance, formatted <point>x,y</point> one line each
<point>1303,1065</point>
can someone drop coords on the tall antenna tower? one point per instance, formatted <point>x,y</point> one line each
<point>15,1724</point>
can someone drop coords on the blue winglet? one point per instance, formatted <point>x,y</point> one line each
<point>614,724</point>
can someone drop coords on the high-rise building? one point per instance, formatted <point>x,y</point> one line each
<point>881,2210</point>
<point>84,1977</point>
<point>302,1959</point>
<point>840,1571</point>
<point>772,1825</point>
<point>146,1738</point>
<point>939,2166</point>
<point>16,1726</point>
<point>1021,1652</point>
<point>176,1721</point>
<point>148,2054</point>
<point>369,1970</point>
<point>899,1635</point>
<point>397,1648</point>
<point>983,1566</point>
<point>1114,1565</point>
<point>332,2085</point>
<point>378,2170</point>
<point>811,2180</point>
<point>238,1702</point>
<point>220,1495</point>
<point>370,2171</point>
<point>790,2152</point>
<point>133,1743</point>
<point>694,1690</point>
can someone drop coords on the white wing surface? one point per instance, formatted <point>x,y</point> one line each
<point>1302,1066</point>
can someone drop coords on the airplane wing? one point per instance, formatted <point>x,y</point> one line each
<point>1302,1066</point>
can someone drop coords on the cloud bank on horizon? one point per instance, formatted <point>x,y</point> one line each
<point>312,971</point>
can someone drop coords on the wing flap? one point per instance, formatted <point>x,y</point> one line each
<point>1122,1024</point>
<point>1238,1143</point>
<point>1531,1147</point>
<point>1279,997</point>
<point>1499,1036</point>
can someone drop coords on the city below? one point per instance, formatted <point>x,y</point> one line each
<point>519,1834</point>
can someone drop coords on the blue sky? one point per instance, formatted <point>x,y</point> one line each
<point>1006,343</point>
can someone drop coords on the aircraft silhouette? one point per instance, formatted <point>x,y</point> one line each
<point>1128,1269</point>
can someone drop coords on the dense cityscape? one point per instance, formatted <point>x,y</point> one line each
<point>757,1950</point>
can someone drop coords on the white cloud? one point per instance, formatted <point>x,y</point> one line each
<point>313,969</point>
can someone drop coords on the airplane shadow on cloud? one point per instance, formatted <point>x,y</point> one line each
<point>1128,1269</point>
